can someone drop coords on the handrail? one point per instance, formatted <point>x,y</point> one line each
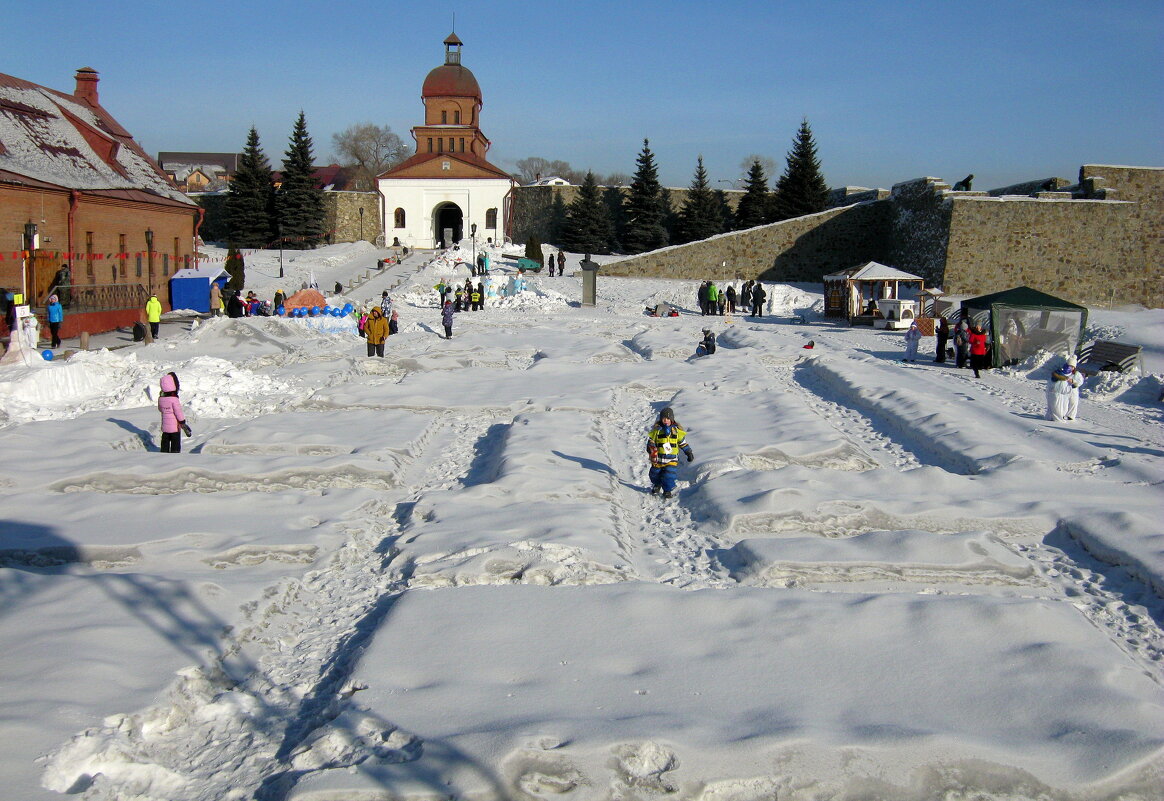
<point>100,297</point>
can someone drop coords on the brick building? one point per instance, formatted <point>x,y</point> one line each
<point>83,209</point>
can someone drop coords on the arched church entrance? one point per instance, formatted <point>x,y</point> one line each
<point>448,224</point>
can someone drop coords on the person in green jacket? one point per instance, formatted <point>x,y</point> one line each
<point>153,310</point>
<point>712,298</point>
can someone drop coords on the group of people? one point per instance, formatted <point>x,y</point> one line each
<point>468,297</point>
<point>714,301</point>
<point>561,263</point>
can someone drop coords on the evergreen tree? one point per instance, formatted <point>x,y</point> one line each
<point>301,213</point>
<point>645,223</point>
<point>701,216</point>
<point>250,199</point>
<point>802,188</point>
<point>557,219</point>
<point>612,198</point>
<point>533,249</point>
<point>726,217</point>
<point>587,225</point>
<point>754,207</point>
<point>236,269</point>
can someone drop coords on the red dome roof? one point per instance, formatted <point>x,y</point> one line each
<point>451,80</point>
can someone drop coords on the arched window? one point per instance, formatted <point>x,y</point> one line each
<point>491,218</point>
<point>456,117</point>
<point>398,218</point>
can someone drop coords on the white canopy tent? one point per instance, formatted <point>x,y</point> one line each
<point>849,292</point>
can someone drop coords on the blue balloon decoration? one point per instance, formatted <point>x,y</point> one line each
<point>280,311</point>
<point>314,310</point>
<point>48,355</point>
<point>347,308</point>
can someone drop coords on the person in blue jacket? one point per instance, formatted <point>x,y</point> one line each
<point>664,443</point>
<point>56,315</point>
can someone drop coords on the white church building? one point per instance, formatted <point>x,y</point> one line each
<point>448,190</point>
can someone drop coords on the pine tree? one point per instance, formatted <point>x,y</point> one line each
<point>645,223</point>
<point>557,219</point>
<point>754,207</point>
<point>727,217</point>
<point>700,216</point>
<point>236,269</point>
<point>587,225</point>
<point>802,188</point>
<point>301,211</point>
<point>613,199</point>
<point>250,199</point>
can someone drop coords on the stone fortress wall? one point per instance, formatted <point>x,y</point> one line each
<point>1098,241</point>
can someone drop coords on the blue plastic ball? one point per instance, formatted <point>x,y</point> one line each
<point>314,310</point>
<point>48,355</point>
<point>348,308</point>
<point>280,311</point>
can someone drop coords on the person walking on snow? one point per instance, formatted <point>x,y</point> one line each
<point>56,315</point>
<point>978,344</point>
<point>376,331</point>
<point>447,319</point>
<point>664,443</point>
<point>173,420</point>
<point>153,310</point>
<point>912,338</point>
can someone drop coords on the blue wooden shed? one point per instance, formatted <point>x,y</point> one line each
<point>190,288</point>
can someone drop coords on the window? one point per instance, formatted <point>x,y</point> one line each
<point>430,144</point>
<point>177,253</point>
<point>122,256</point>
<point>452,147</point>
<point>491,218</point>
<point>444,118</point>
<point>462,144</point>
<point>398,218</point>
<point>89,254</point>
<point>165,264</point>
<point>456,117</point>
<point>441,145</point>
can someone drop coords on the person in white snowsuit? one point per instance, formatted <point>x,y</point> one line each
<point>1063,391</point>
<point>912,338</point>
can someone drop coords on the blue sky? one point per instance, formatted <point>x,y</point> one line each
<point>1009,91</point>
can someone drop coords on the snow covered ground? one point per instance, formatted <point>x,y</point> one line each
<point>440,575</point>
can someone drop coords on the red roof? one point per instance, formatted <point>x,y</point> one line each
<point>467,158</point>
<point>451,80</point>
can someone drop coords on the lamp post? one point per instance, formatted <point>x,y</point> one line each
<point>29,247</point>
<point>473,266</point>
<point>280,230</point>
<point>361,223</point>
<point>149,235</point>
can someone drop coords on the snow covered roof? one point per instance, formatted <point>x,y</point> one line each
<point>873,271</point>
<point>552,180</point>
<point>207,273</point>
<point>70,141</point>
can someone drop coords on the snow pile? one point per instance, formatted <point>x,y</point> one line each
<point>440,573</point>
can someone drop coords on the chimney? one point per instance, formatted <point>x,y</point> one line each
<point>87,85</point>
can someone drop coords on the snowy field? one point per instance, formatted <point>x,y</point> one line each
<point>440,574</point>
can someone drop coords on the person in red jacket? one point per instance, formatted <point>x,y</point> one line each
<point>978,349</point>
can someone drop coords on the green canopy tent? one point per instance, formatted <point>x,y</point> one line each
<point>1022,321</point>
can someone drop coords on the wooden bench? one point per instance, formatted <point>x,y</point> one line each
<point>1112,356</point>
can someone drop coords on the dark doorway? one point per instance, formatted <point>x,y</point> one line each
<point>448,221</point>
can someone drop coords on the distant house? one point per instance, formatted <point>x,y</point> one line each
<point>199,172</point>
<point>552,180</point>
<point>83,210</point>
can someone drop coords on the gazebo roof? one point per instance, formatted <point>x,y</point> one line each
<point>873,271</point>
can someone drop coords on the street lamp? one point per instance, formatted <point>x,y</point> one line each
<point>361,223</point>
<point>29,246</point>
<point>280,230</point>
<point>473,229</point>
<point>149,234</point>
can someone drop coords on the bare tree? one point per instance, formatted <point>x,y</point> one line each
<point>768,165</point>
<point>367,150</point>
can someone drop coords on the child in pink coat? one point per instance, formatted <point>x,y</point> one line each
<point>173,420</point>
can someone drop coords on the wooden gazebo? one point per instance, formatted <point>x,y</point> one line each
<point>854,293</point>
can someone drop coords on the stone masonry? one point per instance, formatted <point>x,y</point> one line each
<point>1100,241</point>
